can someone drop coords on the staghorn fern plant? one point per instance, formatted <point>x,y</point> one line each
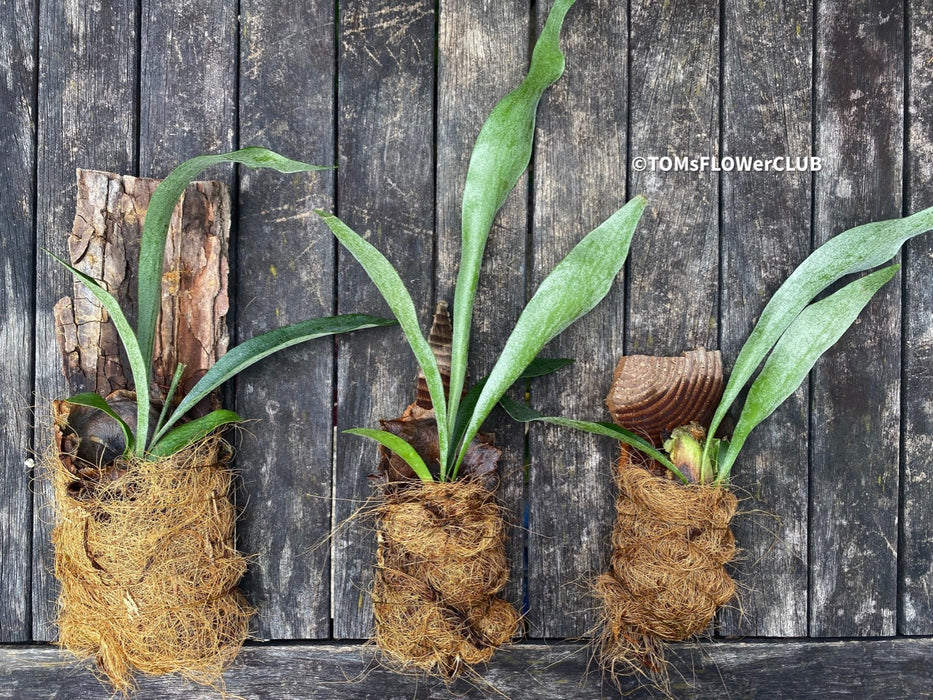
<point>166,435</point>
<point>580,281</point>
<point>792,332</point>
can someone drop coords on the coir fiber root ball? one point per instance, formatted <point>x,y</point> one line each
<point>667,573</point>
<point>148,568</point>
<point>440,562</point>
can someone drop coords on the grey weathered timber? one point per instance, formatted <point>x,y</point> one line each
<point>895,669</point>
<point>385,184</point>
<point>915,551</point>
<point>855,396</point>
<point>285,274</point>
<point>672,278</point>
<point>17,314</point>
<point>672,273</point>
<point>579,181</point>
<point>766,94</point>
<point>493,37</point>
<point>87,107</point>
<point>187,83</point>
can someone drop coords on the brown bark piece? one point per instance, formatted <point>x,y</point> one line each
<point>192,328</point>
<point>653,395</point>
<point>104,244</point>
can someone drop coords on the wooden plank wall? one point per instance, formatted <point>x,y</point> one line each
<point>578,183</point>
<point>17,309</point>
<point>766,108</point>
<point>493,35</point>
<point>88,115</point>
<point>837,533</point>
<point>915,551</point>
<point>285,273</point>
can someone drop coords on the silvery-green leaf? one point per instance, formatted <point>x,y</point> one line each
<point>159,214</point>
<point>399,447</point>
<point>396,295</point>
<point>253,350</point>
<point>525,414</point>
<point>500,155</point>
<point>812,332</point>
<point>191,432</point>
<point>578,282</point>
<point>857,249</point>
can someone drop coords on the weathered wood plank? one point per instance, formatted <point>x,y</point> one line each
<point>892,668</point>
<point>766,94</point>
<point>856,386</point>
<point>915,607</point>
<point>17,225</point>
<point>86,117</point>
<point>385,185</point>
<point>187,82</point>
<point>580,178</point>
<point>286,274</point>
<point>674,111</point>
<point>482,54</point>
<point>672,274</point>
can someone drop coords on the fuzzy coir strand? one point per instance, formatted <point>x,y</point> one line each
<point>148,567</point>
<point>440,562</point>
<point>667,574</point>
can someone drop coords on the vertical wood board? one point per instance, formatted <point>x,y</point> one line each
<point>579,181</point>
<point>855,410</point>
<point>483,54</point>
<point>915,554</point>
<point>286,275</point>
<point>766,93</point>
<point>187,82</point>
<point>87,117</point>
<point>17,313</point>
<point>385,184</point>
<point>673,300</point>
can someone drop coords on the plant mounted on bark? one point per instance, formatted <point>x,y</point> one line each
<point>672,539</point>
<point>143,539</point>
<point>441,558</point>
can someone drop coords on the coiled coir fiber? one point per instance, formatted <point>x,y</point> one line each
<point>440,562</point>
<point>667,576</point>
<point>148,568</point>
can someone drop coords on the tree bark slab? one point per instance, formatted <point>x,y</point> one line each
<point>104,243</point>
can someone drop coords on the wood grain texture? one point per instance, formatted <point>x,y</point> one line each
<point>766,93</point>
<point>285,275</point>
<point>915,611</point>
<point>482,54</point>
<point>579,181</point>
<point>77,92</point>
<point>856,386</point>
<point>385,184</point>
<point>898,669</point>
<point>86,117</point>
<point>104,244</point>
<point>187,83</point>
<point>674,111</point>
<point>17,313</point>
